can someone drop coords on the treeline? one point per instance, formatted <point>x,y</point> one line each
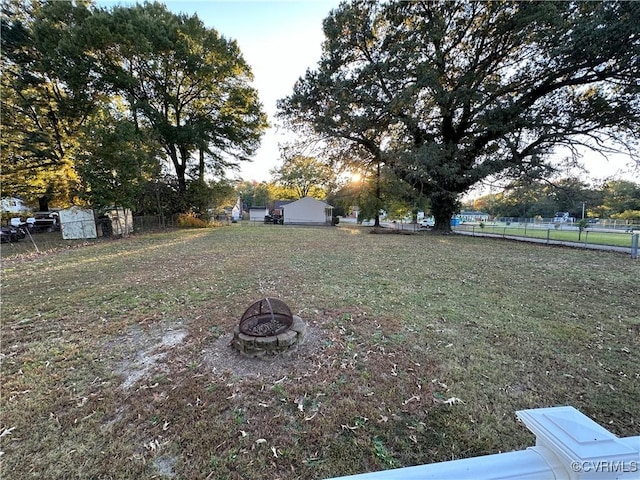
<point>132,106</point>
<point>615,199</point>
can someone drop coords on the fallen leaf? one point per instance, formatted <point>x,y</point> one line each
<point>7,431</point>
<point>415,397</point>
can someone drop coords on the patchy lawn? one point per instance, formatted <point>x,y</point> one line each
<point>116,360</point>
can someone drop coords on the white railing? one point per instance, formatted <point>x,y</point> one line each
<point>569,446</point>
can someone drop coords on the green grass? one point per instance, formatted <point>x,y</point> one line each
<point>619,239</point>
<point>115,357</point>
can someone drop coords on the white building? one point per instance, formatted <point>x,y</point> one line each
<point>14,205</point>
<point>257,214</point>
<point>308,211</point>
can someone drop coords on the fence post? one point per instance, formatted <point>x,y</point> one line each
<point>634,245</point>
<point>548,235</point>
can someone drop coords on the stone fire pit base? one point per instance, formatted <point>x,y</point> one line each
<point>286,341</point>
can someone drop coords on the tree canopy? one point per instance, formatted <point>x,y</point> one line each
<point>48,94</point>
<point>162,80</point>
<point>306,176</point>
<point>447,94</point>
<point>611,199</point>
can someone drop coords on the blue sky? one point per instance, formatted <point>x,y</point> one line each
<point>278,39</point>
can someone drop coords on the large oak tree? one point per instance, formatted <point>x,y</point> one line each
<point>186,82</point>
<point>447,94</point>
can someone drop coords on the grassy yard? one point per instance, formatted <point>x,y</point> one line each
<point>420,348</point>
<point>598,237</point>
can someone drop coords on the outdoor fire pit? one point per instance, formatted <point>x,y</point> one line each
<point>267,327</point>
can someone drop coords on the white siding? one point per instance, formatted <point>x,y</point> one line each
<point>306,210</point>
<point>258,214</point>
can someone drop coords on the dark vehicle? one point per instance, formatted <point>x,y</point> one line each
<point>275,219</point>
<point>11,234</point>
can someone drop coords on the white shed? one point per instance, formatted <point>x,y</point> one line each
<point>257,214</point>
<point>308,211</point>
<point>77,223</point>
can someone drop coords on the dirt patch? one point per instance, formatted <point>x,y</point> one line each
<point>145,353</point>
<point>151,349</point>
<point>223,359</point>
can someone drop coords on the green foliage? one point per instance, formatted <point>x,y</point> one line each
<point>205,196</point>
<point>167,80</point>
<point>620,196</point>
<point>189,84</point>
<point>306,176</point>
<point>582,225</point>
<point>543,199</point>
<point>117,162</point>
<point>48,93</point>
<point>261,196</point>
<point>447,94</point>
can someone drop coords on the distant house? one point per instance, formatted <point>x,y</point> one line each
<point>257,214</point>
<point>278,207</point>
<point>236,211</point>
<point>307,211</point>
<point>14,205</point>
<point>473,216</point>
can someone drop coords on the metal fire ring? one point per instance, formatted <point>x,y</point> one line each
<point>265,318</point>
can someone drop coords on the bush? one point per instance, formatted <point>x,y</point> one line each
<point>189,220</point>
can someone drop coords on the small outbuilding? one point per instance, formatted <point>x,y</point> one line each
<point>307,211</point>
<point>257,214</point>
<point>77,223</point>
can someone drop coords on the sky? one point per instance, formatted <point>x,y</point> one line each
<point>280,40</point>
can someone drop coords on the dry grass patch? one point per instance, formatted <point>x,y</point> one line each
<point>116,360</point>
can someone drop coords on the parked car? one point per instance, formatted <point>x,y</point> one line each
<point>428,222</point>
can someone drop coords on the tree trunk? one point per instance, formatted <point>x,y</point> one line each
<point>444,205</point>
<point>180,168</point>
<point>376,222</point>
<point>201,166</point>
<point>43,203</point>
